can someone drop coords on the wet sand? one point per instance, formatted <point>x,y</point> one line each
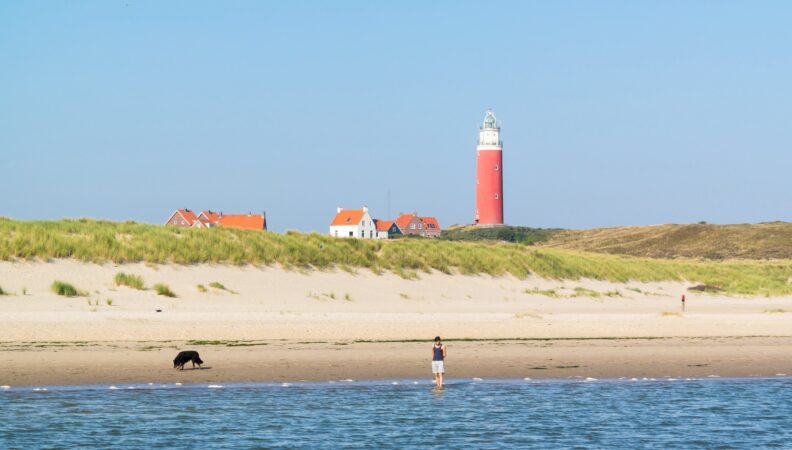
<point>143,362</point>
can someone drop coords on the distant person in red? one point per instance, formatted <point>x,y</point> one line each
<point>683,302</point>
<point>438,361</point>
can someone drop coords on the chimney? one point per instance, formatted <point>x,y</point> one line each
<point>339,209</point>
<point>365,209</point>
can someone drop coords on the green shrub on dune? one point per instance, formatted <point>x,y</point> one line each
<point>101,241</point>
<point>163,289</point>
<point>133,281</point>
<point>65,289</point>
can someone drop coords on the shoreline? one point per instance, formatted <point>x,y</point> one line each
<point>278,361</point>
<point>380,382</point>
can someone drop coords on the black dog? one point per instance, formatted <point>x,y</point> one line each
<point>187,356</point>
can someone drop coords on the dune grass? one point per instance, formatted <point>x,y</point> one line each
<point>583,292</point>
<point>163,289</point>
<point>771,240</point>
<point>66,289</point>
<point>201,288</point>
<point>126,242</point>
<point>546,292</point>
<point>2,292</point>
<point>133,281</point>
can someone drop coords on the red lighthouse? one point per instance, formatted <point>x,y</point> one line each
<point>489,173</point>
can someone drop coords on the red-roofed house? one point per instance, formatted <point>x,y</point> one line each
<point>421,226</point>
<point>355,223</point>
<point>244,221</point>
<point>431,227</point>
<point>386,228</point>
<point>409,224</point>
<point>209,218</point>
<point>182,218</point>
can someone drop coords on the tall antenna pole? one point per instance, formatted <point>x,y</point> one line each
<point>389,215</point>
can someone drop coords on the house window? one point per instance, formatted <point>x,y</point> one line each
<point>362,233</point>
<point>496,168</point>
<point>371,234</point>
<point>351,234</point>
<point>497,196</point>
<point>336,233</point>
<point>412,226</point>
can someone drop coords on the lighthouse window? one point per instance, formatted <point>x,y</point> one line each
<point>497,196</point>
<point>496,167</point>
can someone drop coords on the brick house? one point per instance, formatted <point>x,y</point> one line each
<point>182,218</point>
<point>210,219</point>
<point>416,225</point>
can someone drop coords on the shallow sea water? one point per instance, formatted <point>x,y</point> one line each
<point>663,413</point>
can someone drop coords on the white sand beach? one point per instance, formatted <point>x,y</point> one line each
<point>320,325</point>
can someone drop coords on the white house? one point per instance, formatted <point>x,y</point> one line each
<point>355,223</point>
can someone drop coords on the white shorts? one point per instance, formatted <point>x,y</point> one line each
<point>438,367</point>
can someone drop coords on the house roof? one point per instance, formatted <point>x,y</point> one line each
<point>210,216</point>
<point>347,217</point>
<point>188,215</point>
<point>383,225</point>
<point>246,221</point>
<point>430,222</point>
<point>403,220</point>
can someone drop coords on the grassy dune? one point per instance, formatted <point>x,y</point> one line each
<point>100,241</point>
<point>745,241</point>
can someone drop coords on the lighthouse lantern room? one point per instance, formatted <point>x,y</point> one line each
<point>489,173</point>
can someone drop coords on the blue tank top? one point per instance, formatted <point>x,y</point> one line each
<point>438,353</point>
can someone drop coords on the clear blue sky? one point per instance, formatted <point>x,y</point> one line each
<point>612,113</point>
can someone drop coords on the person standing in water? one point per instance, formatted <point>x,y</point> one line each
<point>438,361</point>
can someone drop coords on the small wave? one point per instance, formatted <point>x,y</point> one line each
<point>285,384</point>
<point>5,386</point>
<point>177,384</point>
<point>477,379</point>
<point>590,379</point>
<point>395,383</point>
<point>215,386</point>
<point>527,379</point>
<point>39,389</point>
<point>131,387</point>
<point>113,387</point>
<point>781,374</point>
<point>713,376</point>
<point>348,380</point>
